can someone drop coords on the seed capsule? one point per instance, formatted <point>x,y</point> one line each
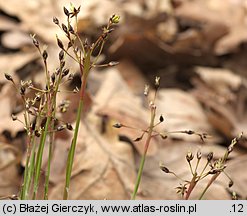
<point>8,77</point>
<point>55,20</point>
<point>66,12</point>
<point>45,55</point>
<point>117,125</point>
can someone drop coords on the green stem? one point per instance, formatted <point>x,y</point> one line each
<point>214,177</point>
<point>40,156</point>
<point>140,171</point>
<point>71,154</point>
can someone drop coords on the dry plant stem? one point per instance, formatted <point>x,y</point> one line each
<point>140,171</point>
<point>70,160</point>
<point>192,186</point>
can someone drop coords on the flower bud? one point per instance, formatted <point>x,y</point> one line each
<point>189,156</point>
<point>8,77</point>
<point>210,156</point>
<point>115,18</point>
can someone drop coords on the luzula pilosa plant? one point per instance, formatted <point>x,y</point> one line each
<point>43,107</point>
<point>211,169</point>
<point>151,132</point>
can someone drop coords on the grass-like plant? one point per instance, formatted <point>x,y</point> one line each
<point>40,119</point>
<point>216,167</point>
<point>211,170</point>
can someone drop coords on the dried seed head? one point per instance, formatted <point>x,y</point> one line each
<point>8,77</point>
<point>146,90</point>
<point>22,90</point>
<point>14,117</point>
<point>60,43</point>
<point>45,55</point>
<point>66,12</point>
<point>53,77</point>
<point>230,184</point>
<point>65,72</point>
<point>35,41</point>
<point>37,133</point>
<point>210,156</point>
<point>117,125</point>
<point>65,29</point>
<point>61,55</point>
<point>33,125</point>
<point>199,155</point>
<point>161,118</point>
<point>189,156</point>
<point>164,168</point>
<point>115,19</point>
<point>55,20</point>
<point>62,63</point>
<point>69,126</point>
<point>71,30</point>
